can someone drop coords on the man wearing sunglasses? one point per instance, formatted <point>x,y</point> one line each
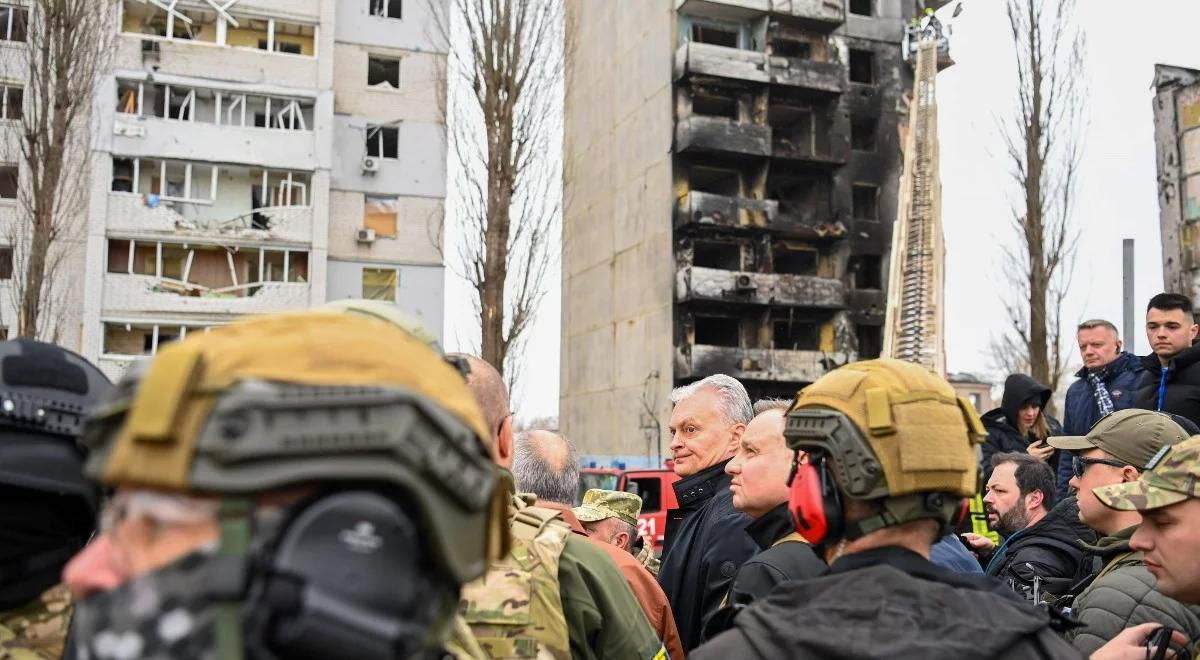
<point>1122,593</point>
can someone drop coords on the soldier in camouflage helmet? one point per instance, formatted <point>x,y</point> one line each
<point>610,516</point>
<point>293,486</point>
<point>47,507</point>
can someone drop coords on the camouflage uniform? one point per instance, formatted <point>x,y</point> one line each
<point>599,504</point>
<point>39,630</point>
<point>1172,476</point>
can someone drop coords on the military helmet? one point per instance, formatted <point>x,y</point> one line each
<point>891,430</point>
<point>310,398</point>
<point>387,312</point>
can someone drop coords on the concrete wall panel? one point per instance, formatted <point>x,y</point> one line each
<point>422,85</point>
<point>418,222</point>
<point>420,171</point>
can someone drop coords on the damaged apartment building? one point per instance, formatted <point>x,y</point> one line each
<point>259,156</point>
<point>761,153</point>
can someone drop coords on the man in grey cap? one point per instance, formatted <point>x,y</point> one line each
<point>1123,593</point>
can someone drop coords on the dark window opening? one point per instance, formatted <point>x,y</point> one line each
<point>726,256</point>
<point>788,48</point>
<point>148,341</point>
<point>792,127</point>
<point>794,262</point>
<point>717,331</point>
<point>862,66</point>
<point>282,47</point>
<point>122,180</point>
<point>650,490</point>
<point>870,341</point>
<point>715,181</point>
<point>860,7</point>
<point>792,335</point>
<point>863,133</point>
<point>387,8</point>
<point>383,141</point>
<point>6,263</point>
<point>714,105</point>
<point>800,198</point>
<point>12,23</point>
<point>383,70</point>
<point>865,202</point>
<point>9,174</point>
<point>717,36</point>
<point>867,270</point>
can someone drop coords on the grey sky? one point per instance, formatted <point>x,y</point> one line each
<point>1116,197</point>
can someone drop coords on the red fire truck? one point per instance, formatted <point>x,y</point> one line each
<point>653,485</point>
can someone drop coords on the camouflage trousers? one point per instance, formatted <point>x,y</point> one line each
<point>37,631</point>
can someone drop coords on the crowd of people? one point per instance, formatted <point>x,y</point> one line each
<point>330,484</point>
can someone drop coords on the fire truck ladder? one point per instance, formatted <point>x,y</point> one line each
<point>914,321</point>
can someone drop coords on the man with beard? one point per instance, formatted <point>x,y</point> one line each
<point>1040,552</point>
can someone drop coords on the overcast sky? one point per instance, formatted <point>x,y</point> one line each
<point>1116,195</point>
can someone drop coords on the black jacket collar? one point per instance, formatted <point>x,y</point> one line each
<point>1181,360</point>
<point>1125,361</point>
<point>692,492</point>
<point>774,525</point>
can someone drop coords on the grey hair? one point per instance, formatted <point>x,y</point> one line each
<point>735,402</point>
<point>546,466</point>
<point>621,526</point>
<point>763,405</point>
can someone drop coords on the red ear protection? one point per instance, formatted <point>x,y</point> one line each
<point>963,511</point>
<point>813,500</point>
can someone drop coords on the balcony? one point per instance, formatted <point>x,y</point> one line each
<point>139,294</point>
<point>827,78</point>
<point>712,284</point>
<point>129,215</point>
<point>825,15</point>
<point>703,208</point>
<point>207,60</point>
<point>821,78</point>
<point>769,364</point>
<point>815,137</point>
<point>699,133</point>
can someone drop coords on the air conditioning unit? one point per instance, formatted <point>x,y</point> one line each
<point>366,236</point>
<point>744,283</point>
<point>370,164</point>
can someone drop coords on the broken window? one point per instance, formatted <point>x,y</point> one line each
<point>801,50</point>
<point>865,201</point>
<point>862,66</point>
<point>713,254</point>
<point>383,141</point>
<point>174,102</point>
<point>129,339</point>
<point>9,175</point>
<point>862,133</point>
<point>711,102</point>
<point>870,341</point>
<point>717,331</point>
<point>380,284</point>
<point>380,214</point>
<point>383,71</point>
<point>867,271</point>
<point>12,98</point>
<point>716,181</point>
<point>291,38</point>
<point>122,178</point>
<point>792,128</point>
<point>12,23</point>
<point>275,188</point>
<point>800,197</point>
<point>173,259</point>
<point>717,34</point>
<point>271,112</point>
<point>297,267</point>
<point>6,263</point>
<point>794,260</point>
<point>387,8</point>
<point>795,335</point>
<point>860,7</point>
<point>128,97</point>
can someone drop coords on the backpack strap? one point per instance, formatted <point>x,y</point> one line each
<point>529,521</point>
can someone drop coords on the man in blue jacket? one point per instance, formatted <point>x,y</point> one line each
<point>1107,382</point>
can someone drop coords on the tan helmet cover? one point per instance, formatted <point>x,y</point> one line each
<point>921,432</point>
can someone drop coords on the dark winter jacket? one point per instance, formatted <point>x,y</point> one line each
<point>889,603</point>
<point>1182,395</point>
<point>1049,550</point>
<point>704,545</point>
<point>1124,595</point>
<point>1001,423</point>
<point>1081,412</point>
<point>784,556</point>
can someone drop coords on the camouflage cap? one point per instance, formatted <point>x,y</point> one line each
<point>1133,436</point>
<point>1172,476</point>
<point>600,504</point>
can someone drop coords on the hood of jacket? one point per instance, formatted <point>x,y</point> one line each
<point>1125,361</point>
<point>898,592</point>
<point>1061,523</point>
<point>1019,388</point>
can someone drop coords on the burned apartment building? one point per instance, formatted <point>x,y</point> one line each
<point>733,173</point>
<point>260,156</point>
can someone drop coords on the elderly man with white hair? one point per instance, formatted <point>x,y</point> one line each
<point>705,541</point>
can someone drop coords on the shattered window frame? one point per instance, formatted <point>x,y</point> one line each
<point>12,95</point>
<point>156,337</point>
<point>260,36</point>
<point>386,9</point>
<point>382,213</point>
<point>385,287</point>
<point>14,22</point>
<point>379,69</point>
<point>383,141</point>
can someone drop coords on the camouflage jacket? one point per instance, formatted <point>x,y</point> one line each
<point>37,631</point>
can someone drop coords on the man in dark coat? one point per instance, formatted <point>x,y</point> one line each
<point>895,481</point>
<point>1040,554</point>
<point>1171,382</point>
<point>705,539</point>
<point>760,473</point>
<point>1107,382</point>
<point>1015,427</point>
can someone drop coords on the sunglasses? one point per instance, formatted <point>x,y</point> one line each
<point>1079,464</point>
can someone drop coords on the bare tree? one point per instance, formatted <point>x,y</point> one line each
<point>1043,142</point>
<point>68,49</point>
<point>507,57</point>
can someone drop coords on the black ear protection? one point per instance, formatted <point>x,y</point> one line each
<point>347,577</point>
<point>814,500</point>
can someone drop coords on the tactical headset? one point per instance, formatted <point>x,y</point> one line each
<point>345,575</point>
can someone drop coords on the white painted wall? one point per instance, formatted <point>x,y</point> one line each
<point>418,30</point>
<point>420,288</point>
<point>420,171</point>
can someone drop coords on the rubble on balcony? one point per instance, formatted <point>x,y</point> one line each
<point>711,284</point>
<point>756,363</point>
